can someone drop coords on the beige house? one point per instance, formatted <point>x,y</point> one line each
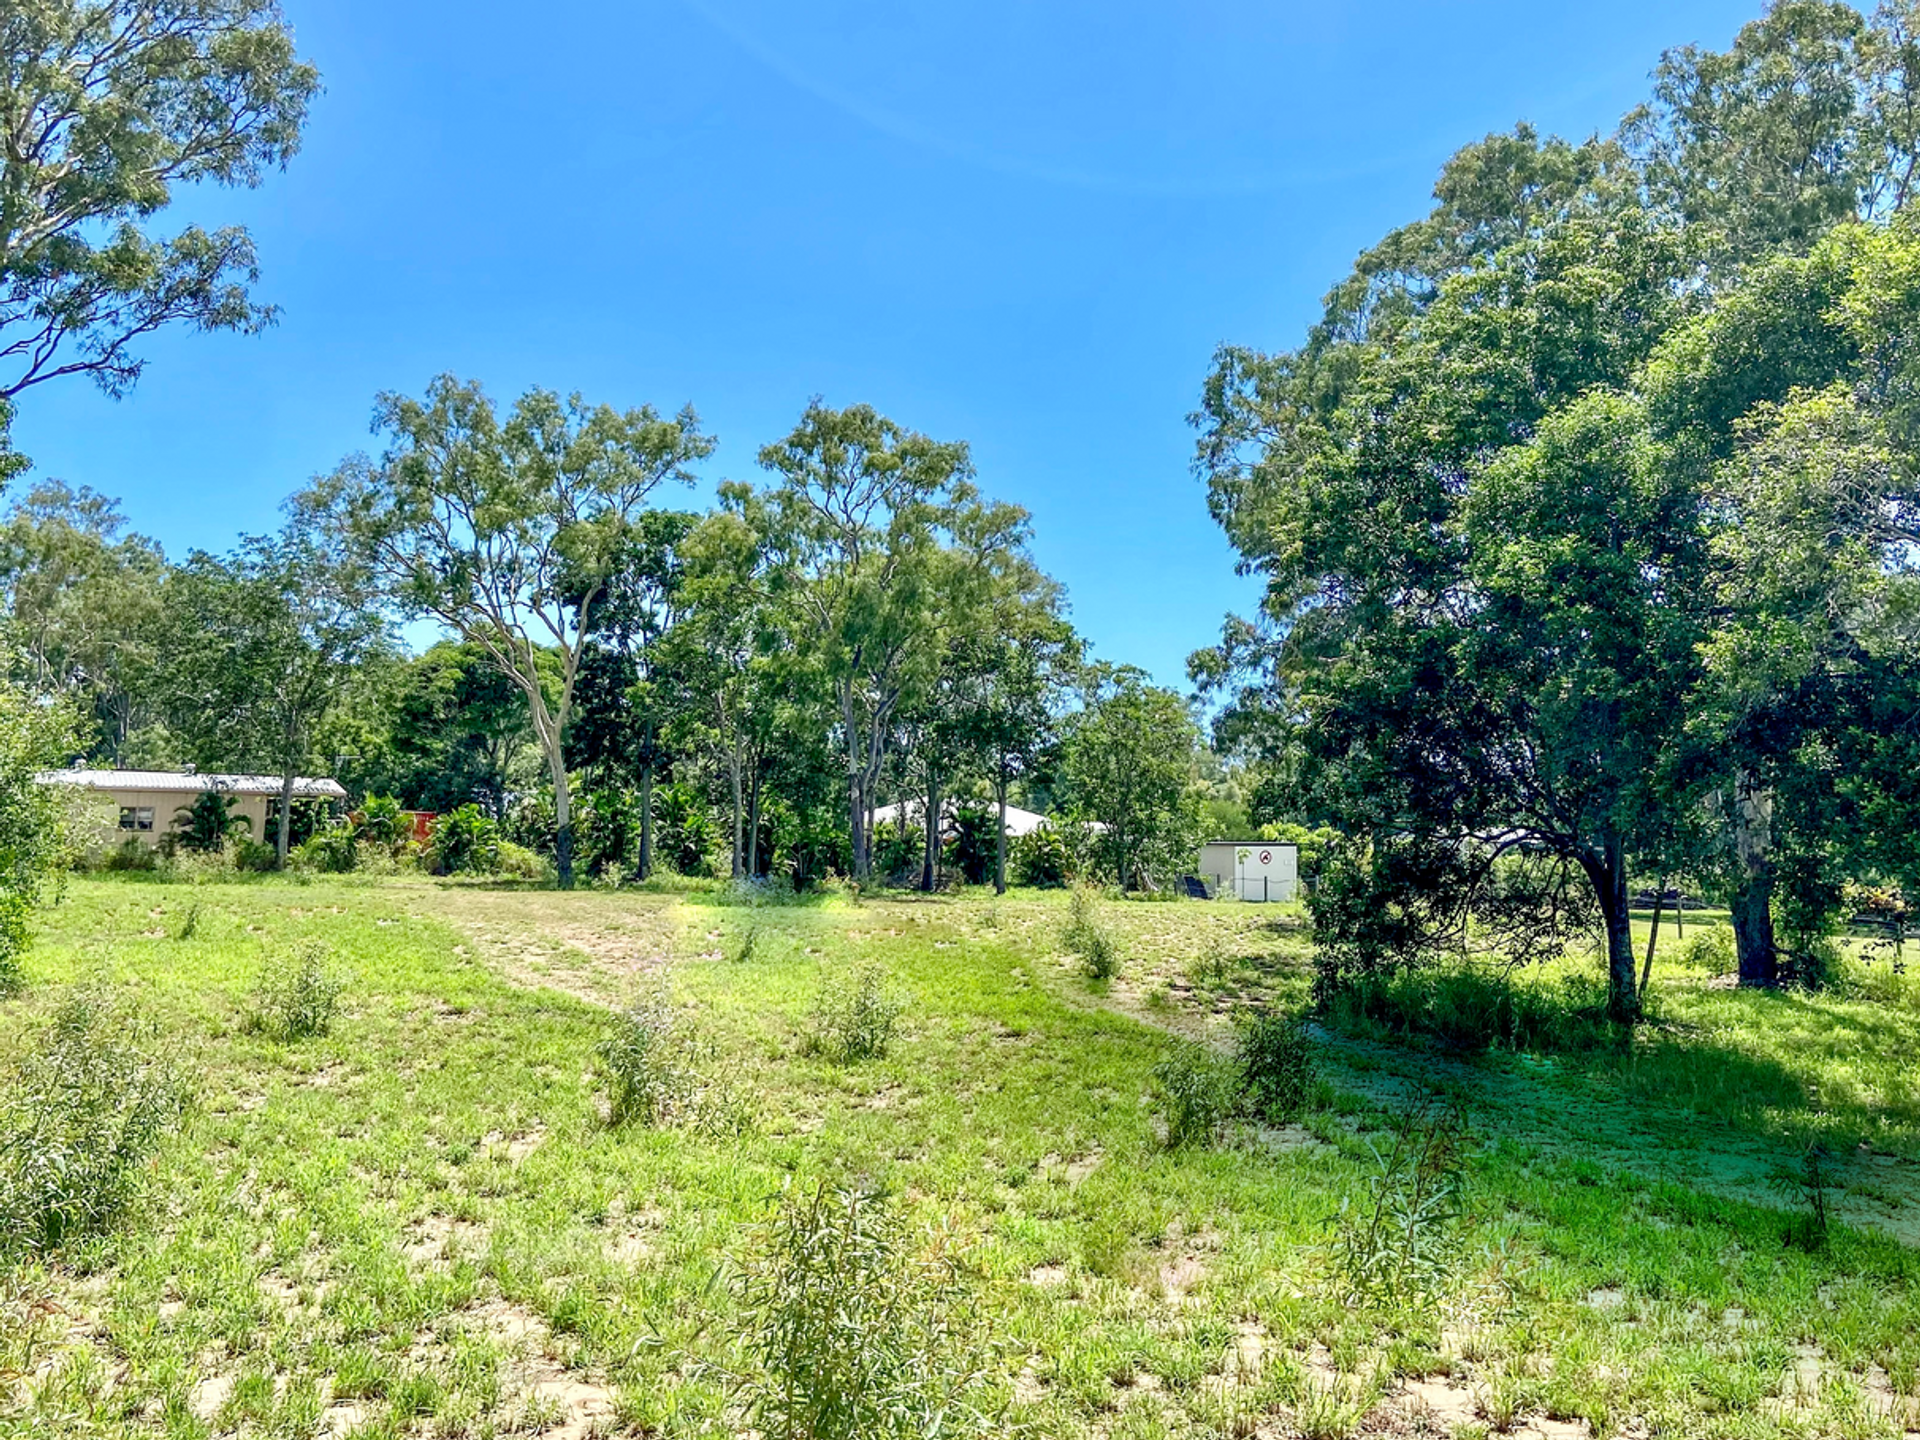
<point>143,804</point>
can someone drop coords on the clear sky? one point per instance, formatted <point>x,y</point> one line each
<point>1024,225</point>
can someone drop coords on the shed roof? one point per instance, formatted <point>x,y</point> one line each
<point>184,782</point>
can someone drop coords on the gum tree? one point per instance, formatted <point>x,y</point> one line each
<point>105,107</point>
<point>507,531</point>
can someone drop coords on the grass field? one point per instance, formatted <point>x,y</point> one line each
<point>420,1223</point>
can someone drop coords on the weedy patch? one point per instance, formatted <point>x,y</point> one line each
<point>660,1071</point>
<point>1278,1066</point>
<point>297,993</point>
<point>853,1017</point>
<point>1809,1186</point>
<point>1087,937</point>
<point>1396,1243</point>
<point>79,1118</point>
<point>856,1330</point>
<point>1196,1092</point>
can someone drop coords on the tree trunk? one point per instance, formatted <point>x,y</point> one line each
<point>930,864</point>
<point>753,824</point>
<point>1000,842</point>
<point>1607,870</point>
<point>856,794</point>
<point>284,840</point>
<point>646,821</point>
<point>562,821</point>
<point>733,772</point>
<point>1752,908</point>
<point>1653,937</point>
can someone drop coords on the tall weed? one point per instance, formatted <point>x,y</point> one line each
<point>79,1118</point>
<point>855,1330</point>
<point>1086,937</point>
<point>297,993</point>
<point>854,1017</point>
<point>1277,1066</point>
<point>1196,1092</point>
<point>661,1072</point>
<point>1397,1244</point>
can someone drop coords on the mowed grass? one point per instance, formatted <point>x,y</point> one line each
<point>421,1224</point>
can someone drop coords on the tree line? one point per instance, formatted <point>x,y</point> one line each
<point>1588,520</point>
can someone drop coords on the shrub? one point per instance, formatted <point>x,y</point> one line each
<point>975,843</point>
<point>1042,858</point>
<point>466,840</point>
<point>517,862</point>
<point>1087,938</point>
<point>131,856</point>
<point>1277,1066</point>
<point>296,994</point>
<point>1471,1008</point>
<point>853,1018</point>
<point>383,822</point>
<point>1196,1093</point>
<point>854,1333</point>
<point>1709,948</point>
<point>207,824</point>
<point>1397,1244</point>
<point>78,1119</point>
<point>14,935</point>
<point>333,851</point>
<point>650,1059</point>
<point>256,856</point>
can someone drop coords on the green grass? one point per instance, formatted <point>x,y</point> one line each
<point>420,1222</point>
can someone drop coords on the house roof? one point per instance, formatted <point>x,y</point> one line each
<point>182,782</point>
<point>1019,822</point>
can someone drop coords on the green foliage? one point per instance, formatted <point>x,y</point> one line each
<point>653,1061</point>
<point>207,823</point>
<point>1473,1008</point>
<point>1709,948</point>
<point>853,1017</point>
<point>297,993</point>
<point>974,845</point>
<point>856,1331</point>
<point>80,1116</point>
<point>1397,1243</point>
<point>332,851</point>
<point>1087,937</point>
<point>132,856</point>
<point>1130,765</point>
<point>257,857</point>
<point>14,934</point>
<point>464,841</point>
<point>1042,858</point>
<point>1808,1186</point>
<point>1196,1092</point>
<point>1278,1066</point>
<point>383,821</point>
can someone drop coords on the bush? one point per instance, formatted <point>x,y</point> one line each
<point>1041,858</point>
<point>650,1060</point>
<point>1397,1244</point>
<point>1196,1093</point>
<point>1470,1008</point>
<point>853,1018</point>
<point>464,841</point>
<point>296,994</point>
<point>1709,948</point>
<point>1277,1066</point>
<point>383,822</point>
<point>516,862</point>
<point>1087,938</point>
<point>255,856</point>
<point>14,935</point>
<point>131,856</point>
<point>332,851</point>
<point>78,1120</point>
<point>853,1332</point>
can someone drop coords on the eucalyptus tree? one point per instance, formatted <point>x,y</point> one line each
<point>81,596</point>
<point>508,531</point>
<point>1129,764</point>
<point>259,647</point>
<point>873,540</point>
<point>107,106</point>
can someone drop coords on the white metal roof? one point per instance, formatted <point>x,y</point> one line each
<point>183,783</point>
<point>1019,822</point>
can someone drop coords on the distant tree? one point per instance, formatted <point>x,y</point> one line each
<point>259,648</point>
<point>507,532</point>
<point>868,535</point>
<point>453,728</point>
<point>107,105</point>
<point>35,735</point>
<point>82,598</point>
<point>1129,765</point>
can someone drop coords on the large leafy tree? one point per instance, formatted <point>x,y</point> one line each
<point>506,531</point>
<point>872,539</point>
<point>259,648</point>
<point>106,106</point>
<point>82,596</point>
<point>1130,765</point>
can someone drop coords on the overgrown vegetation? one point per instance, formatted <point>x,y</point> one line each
<point>1396,1242</point>
<point>853,1016</point>
<point>654,1063</point>
<point>1086,937</point>
<point>297,993</point>
<point>82,1112</point>
<point>854,1328</point>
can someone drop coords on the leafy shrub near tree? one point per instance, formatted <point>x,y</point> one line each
<point>35,836</point>
<point>464,841</point>
<point>1042,858</point>
<point>853,1017</point>
<point>79,1118</point>
<point>854,1331</point>
<point>297,993</point>
<point>208,824</point>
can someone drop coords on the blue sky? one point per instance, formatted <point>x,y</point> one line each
<point>1017,224</point>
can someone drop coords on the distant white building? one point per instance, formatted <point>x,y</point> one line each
<point>914,816</point>
<point>142,804</point>
<point>1256,870</point>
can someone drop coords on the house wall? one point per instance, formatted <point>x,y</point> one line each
<point>1274,877</point>
<point>104,808</point>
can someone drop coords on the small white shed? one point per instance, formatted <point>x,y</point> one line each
<point>1256,870</point>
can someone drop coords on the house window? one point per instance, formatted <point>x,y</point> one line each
<point>136,817</point>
